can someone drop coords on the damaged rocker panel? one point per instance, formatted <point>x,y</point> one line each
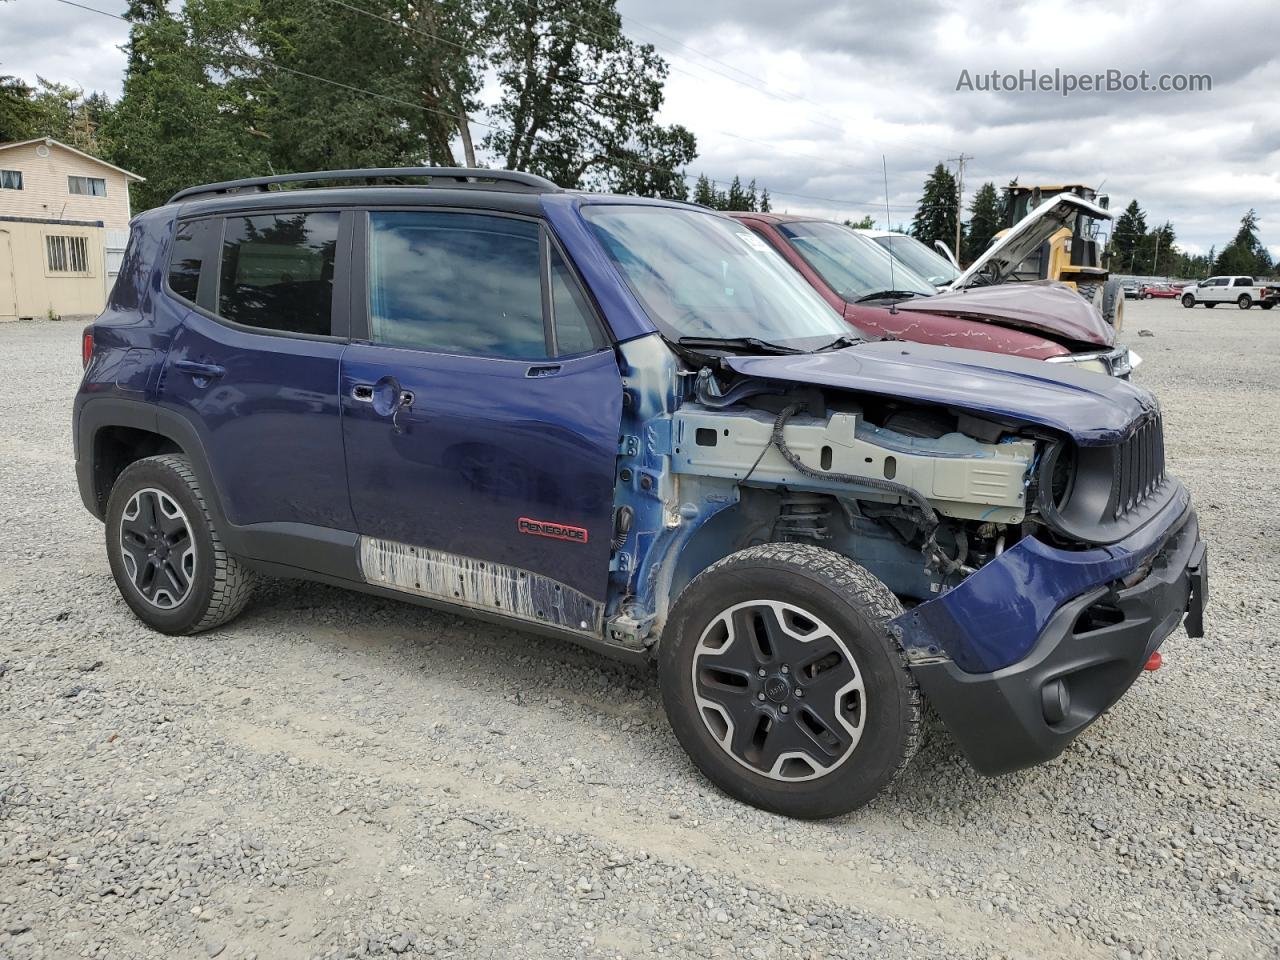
<point>479,585</point>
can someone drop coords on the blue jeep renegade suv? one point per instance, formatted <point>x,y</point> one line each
<point>628,423</point>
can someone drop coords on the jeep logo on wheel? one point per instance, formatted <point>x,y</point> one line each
<point>549,528</point>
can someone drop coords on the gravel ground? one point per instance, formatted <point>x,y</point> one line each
<point>335,776</point>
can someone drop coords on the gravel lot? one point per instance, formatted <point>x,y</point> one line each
<point>336,776</point>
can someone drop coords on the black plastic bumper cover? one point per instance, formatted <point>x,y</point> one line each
<point>1083,662</point>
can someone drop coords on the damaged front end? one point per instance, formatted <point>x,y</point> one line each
<point>1024,519</point>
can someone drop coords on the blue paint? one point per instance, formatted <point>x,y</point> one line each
<point>483,445</point>
<point>994,618</point>
<point>1093,410</point>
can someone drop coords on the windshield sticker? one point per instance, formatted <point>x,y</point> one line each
<point>754,242</point>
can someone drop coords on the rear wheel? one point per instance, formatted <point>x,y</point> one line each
<point>1268,305</point>
<point>1146,296</point>
<point>1188,300</point>
<point>782,680</point>
<point>165,554</point>
<point>1244,302</point>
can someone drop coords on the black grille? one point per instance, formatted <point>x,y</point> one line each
<point>1139,470</point>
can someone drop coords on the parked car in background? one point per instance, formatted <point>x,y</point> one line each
<point>1130,288</point>
<point>1159,291</point>
<point>1244,292</point>
<point>882,297</point>
<point>927,263</point>
<point>628,424</point>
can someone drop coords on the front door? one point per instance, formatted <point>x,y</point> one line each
<point>481,419</point>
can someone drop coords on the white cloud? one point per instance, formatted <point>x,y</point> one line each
<point>824,90</point>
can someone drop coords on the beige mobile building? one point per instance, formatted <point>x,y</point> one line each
<point>64,223</point>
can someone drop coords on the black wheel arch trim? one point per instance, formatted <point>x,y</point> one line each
<point>302,546</point>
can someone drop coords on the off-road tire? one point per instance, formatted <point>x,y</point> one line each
<point>220,586</point>
<point>1092,292</point>
<point>1113,303</point>
<point>1244,301</point>
<point>1188,300</point>
<point>853,603</point>
<point>1267,305</point>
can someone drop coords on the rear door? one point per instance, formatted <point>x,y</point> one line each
<point>254,367</point>
<point>480,415</point>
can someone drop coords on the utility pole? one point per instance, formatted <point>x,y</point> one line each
<point>1155,261</point>
<point>959,162</point>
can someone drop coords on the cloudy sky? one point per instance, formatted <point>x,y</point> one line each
<point>808,95</point>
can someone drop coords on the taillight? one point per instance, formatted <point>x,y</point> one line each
<point>86,348</point>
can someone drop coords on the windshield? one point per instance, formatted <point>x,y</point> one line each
<point>853,266</point>
<point>929,264</point>
<point>699,275</point>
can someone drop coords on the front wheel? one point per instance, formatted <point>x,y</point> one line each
<point>1244,302</point>
<point>1188,301</point>
<point>1146,296</point>
<point>784,684</point>
<point>165,554</point>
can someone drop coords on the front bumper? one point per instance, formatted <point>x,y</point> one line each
<point>1088,652</point>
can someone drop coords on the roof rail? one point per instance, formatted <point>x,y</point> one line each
<point>456,176</point>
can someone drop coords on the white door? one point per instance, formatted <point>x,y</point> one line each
<point>114,242</point>
<point>8,287</point>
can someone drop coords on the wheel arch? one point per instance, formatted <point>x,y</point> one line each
<point>114,432</point>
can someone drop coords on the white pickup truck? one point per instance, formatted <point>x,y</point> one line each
<point>1244,292</point>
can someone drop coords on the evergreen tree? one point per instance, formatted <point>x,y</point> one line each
<point>174,124</point>
<point>704,192</point>
<point>984,221</point>
<point>766,205</point>
<point>738,198</point>
<point>1245,255</point>
<point>866,223</point>
<point>935,217</point>
<point>1156,253</point>
<point>18,113</point>
<point>1127,237</point>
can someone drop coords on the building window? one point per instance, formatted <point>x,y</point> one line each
<point>89,186</point>
<point>67,254</point>
<point>10,179</point>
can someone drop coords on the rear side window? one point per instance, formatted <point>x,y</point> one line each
<point>193,243</point>
<point>277,271</point>
<point>457,283</point>
<point>1244,281</point>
